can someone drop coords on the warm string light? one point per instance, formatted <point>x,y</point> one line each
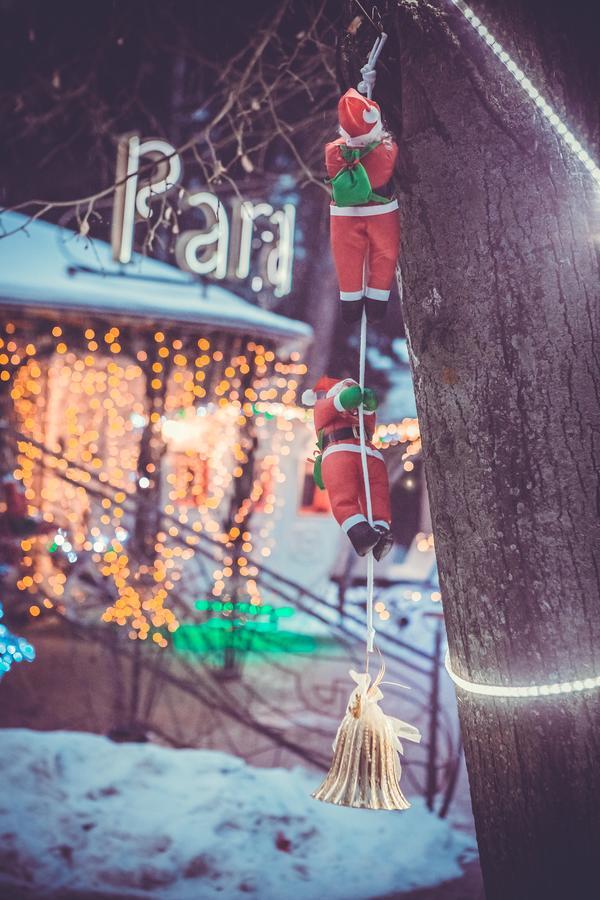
<point>262,499</point>
<point>88,407</point>
<point>404,432</point>
<point>239,541</point>
<point>89,403</point>
<point>551,116</point>
<point>572,142</point>
<point>412,595</point>
<point>424,541</point>
<point>531,690</point>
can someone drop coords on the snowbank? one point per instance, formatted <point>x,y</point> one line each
<point>80,812</point>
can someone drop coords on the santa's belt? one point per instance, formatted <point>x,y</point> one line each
<point>341,434</point>
<point>378,209</point>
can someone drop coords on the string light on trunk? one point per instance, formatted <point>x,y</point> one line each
<point>529,88</point>
<point>531,690</point>
<point>564,132</point>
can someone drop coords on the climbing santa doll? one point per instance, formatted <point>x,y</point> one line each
<point>365,225</point>
<point>338,466</point>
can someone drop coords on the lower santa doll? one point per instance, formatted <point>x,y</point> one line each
<point>336,406</point>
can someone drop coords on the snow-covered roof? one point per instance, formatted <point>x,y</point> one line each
<point>47,266</point>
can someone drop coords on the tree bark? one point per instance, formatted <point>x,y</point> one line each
<point>501,298</point>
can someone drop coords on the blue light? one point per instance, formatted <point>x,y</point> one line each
<point>17,650</point>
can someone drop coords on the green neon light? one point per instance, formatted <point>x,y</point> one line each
<point>261,412</point>
<point>246,609</point>
<point>285,612</point>
<point>210,639</point>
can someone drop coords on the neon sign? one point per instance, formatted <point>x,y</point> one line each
<point>250,241</point>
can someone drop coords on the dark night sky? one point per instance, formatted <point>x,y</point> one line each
<point>118,56</point>
<point>74,74</point>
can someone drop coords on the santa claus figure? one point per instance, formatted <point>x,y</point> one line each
<point>365,226</point>
<point>336,406</point>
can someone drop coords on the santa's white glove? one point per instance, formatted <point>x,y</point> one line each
<point>368,79</point>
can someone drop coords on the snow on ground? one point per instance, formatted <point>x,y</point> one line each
<point>80,812</point>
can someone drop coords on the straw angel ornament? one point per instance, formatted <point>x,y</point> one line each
<point>365,771</point>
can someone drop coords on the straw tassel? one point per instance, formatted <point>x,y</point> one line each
<point>365,771</point>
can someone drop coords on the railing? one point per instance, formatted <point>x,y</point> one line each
<point>239,702</point>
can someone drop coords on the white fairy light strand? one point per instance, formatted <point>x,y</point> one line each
<point>565,133</point>
<point>526,85</point>
<point>530,690</point>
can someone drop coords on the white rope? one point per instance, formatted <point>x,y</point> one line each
<point>366,87</point>
<point>365,470</point>
<point>368,71</point>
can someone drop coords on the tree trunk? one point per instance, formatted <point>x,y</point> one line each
<point>148,498</point>
<point>501,309</point>
<point>322,315</point>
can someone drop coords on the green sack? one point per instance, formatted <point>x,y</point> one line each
<point>317,472</point>
<point>318,461</point>
<point>351,186</point>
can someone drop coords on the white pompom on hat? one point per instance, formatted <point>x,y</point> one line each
<point>309,398</point>
<point>323,385</point>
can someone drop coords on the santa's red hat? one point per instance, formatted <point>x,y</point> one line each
<point>359,117</point>
<point>322,387</point>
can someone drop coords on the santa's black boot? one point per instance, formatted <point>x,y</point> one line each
<point>376,310</point>
<point>363,537</point>
<point>384,544</point>
<point>352,311</point>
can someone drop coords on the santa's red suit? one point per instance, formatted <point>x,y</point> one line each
<point>341,462</point>
<point>364,239</point>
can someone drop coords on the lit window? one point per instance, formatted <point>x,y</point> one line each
<point>313,499</point>
<point>191,479</point>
